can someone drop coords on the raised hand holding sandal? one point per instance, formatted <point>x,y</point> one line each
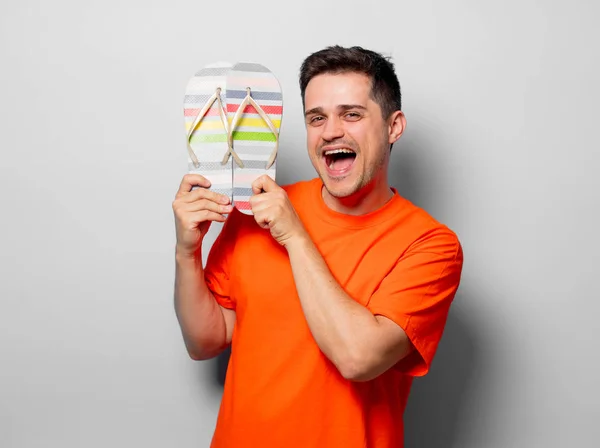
<point>254,108</point>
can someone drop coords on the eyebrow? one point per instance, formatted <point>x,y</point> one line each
<point>319,110</point>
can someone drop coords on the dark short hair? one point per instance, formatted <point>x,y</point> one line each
<point>385,88</point>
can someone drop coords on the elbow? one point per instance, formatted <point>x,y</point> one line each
<point>198,356</point>
<point>350,373</point>
<point>355,367</point>
<point>369,365</point>
<point>356,373</point>
<point>202,353</point>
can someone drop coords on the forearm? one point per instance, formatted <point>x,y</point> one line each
<point>199,315</point>
<point>342,328</point>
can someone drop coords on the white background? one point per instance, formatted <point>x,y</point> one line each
<point>502,105</point>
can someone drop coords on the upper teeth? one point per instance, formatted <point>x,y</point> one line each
<point>338,151</point>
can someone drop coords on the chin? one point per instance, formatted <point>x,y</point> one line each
<point>340,189</point>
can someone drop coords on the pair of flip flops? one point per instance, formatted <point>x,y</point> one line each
<point>232,120</point>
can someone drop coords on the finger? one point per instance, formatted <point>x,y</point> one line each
<point>190,180</point>
<point>257,187</point>
<point>264,183</point>
<point>207,215</point>
<point>261,219</point>
<point>260,202</point>
<point>203,193</point>
<point>205,204</point>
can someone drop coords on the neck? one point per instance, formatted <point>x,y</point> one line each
<point>368,199</point>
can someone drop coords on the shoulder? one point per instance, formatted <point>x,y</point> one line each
<point>425,231</point>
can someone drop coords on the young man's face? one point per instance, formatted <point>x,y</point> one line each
<point>348,138</point>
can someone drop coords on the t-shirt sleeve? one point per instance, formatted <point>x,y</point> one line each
<point>417,294</point>
<point>218,264</point>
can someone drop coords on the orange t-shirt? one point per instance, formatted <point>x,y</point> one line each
<point>280,389</point>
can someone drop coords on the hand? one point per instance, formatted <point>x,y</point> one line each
<point>195,210</point>
<point>273,210</point>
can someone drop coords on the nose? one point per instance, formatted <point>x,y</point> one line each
<point>333,129</point>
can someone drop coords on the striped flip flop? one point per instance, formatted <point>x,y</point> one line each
<point>207,128</point>
<point>254,109</point>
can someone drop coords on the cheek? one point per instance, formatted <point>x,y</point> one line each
<point>312,138</point>
<point>361,131</point>
<point>373,141</point>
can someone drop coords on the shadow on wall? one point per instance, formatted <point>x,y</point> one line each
<point>436,409</point>
<point>437,404</point>
<point>221,366</point>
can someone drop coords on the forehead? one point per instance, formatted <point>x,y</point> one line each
<point>331,90</point>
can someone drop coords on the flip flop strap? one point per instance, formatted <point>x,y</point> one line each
<point>223,115</point>
<point>248,100</point>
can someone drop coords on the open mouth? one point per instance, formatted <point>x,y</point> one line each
<point>340,160</point>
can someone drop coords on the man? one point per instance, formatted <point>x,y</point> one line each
<point>335,293</point>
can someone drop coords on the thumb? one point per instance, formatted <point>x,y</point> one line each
<point>257,187</point>
<point>263,183</point>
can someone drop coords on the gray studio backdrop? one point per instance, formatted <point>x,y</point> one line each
<point>502,106</point>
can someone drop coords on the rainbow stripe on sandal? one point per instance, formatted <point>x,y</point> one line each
<point>207,128</point>
<point>254,109</point>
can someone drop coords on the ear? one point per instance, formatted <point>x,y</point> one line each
<point>396,126</point>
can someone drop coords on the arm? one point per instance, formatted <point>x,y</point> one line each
<point>362,346</point>
<point>205,325</point>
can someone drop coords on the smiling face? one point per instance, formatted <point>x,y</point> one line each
<point>348,138</point>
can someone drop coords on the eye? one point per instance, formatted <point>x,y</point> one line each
<point>352,116</point>
<point>315,120</point>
